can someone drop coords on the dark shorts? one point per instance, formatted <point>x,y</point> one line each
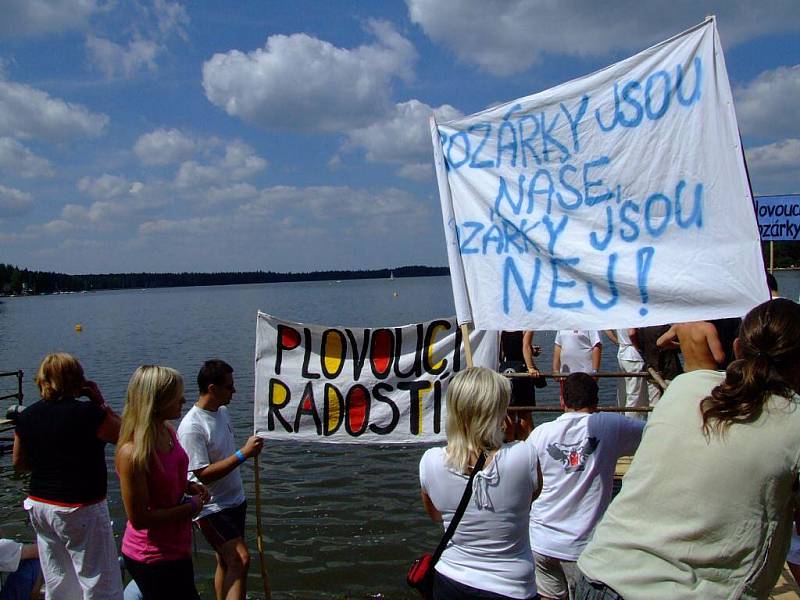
<point>585,589</point>
<point>165,580</point>
<point>445,588</point>
<point>224,526</point>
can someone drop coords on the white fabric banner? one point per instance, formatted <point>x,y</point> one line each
<point>359,385</point>
<point>619,199</point>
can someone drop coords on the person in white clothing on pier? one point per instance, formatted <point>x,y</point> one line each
<point>578,453</point>
<point>631,391</point>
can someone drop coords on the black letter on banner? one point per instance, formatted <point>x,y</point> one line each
<point>307,356</point>
<point>380,356</point>
<point>333,409</point>
<point>457,350</point>
<point>414,401</point>
<point>377,393</point>
<point>428,339</point>
<point>306,406</point>
<point>288,339</point>
<point>357,404</point>
<point>416,368</point>
<point>275,404</point>
<point>437,406</point>
<point>358,357</point>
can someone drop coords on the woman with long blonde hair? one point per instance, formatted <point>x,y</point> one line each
<point>61,440</point>
<point>490,554</point>
<point>158,497</point>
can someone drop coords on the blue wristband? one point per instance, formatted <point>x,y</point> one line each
<point>239,456</point>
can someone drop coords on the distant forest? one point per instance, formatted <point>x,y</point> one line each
<point>14,280</point>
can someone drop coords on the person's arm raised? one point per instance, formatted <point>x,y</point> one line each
<point>221,468</point>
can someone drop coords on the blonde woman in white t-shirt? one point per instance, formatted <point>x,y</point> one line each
<point>490,553</point>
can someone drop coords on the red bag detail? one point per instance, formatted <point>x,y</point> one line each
<point>420,576</point>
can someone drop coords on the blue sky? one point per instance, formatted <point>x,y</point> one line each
<point>293,136</point>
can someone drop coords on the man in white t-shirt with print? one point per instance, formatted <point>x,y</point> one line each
<point>206,435</point>
<point>578,453</point>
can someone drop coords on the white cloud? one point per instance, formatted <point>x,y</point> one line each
<point>106,186</point>
<point>164,146</point>
<point>171,17</point>
<point>767,106</point>
<point>508,36</point>
<point>194,226</point>
<point>403,138</point>
<point>775,157</point>
<point>113,59</point>
<point>36,17</point>
<point>238,162</point>
<point>299,82</point>
<point>14,202</point>
<point>26,112</point>
<point>16,159</point>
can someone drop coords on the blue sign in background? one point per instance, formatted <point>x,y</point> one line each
<point>778,217</point>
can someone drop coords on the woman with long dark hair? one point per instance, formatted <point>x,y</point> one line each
<point>706,507</point>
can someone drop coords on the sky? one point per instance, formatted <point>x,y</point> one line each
<point>293,136</point>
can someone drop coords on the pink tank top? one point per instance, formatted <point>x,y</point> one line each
<point>166,482</point>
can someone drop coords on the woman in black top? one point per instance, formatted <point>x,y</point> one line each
<point>517,352</point>
<point>61,441</point>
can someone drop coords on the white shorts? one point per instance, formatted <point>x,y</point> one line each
<point>555,578</point>
<point>77,551</point>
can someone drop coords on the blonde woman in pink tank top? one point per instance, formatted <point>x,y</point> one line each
<point>159,499</point>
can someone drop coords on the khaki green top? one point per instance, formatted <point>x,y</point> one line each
<point>700,518</point>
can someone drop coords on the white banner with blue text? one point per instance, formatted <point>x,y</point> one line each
<point>359,385</point>
<point>619,199</point>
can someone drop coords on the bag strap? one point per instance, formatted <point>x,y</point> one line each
<point>462,507</point>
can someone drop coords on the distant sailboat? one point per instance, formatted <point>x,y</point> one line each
<point>391,275</point>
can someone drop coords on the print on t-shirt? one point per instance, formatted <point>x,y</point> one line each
<point>573,456</point>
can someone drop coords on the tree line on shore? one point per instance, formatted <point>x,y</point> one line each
<point>14,280</point>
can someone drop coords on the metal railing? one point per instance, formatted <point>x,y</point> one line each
<point>7,425</point>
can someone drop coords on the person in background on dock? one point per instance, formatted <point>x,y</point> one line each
<point>631,391</point>
<point>24,573</point>
<point>206,435</point>
<point>576,351</point>
<point>772,284</point>
<point>490,553</point>
<point>159,500</point>
<point>699,343</point>
<point>517,351</point>
<point>706,507</point>
<point>666,361</point>
<point>578,455</point>
<point>61,440</point>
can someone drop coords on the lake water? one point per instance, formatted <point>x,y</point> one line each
<point>339,521</point>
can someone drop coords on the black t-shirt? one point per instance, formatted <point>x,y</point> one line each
<point>66,459</point>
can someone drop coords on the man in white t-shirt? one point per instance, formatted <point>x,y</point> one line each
<point>631,391</point>
<point>577,351</point>
<point>206,435</point>
<point>578,453</point>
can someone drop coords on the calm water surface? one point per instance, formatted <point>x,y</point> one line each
<point>340,521</point>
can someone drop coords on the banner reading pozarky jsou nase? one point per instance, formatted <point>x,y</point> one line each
<point>359,385</point>
<point>619,199</point>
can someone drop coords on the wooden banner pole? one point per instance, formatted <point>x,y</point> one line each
<point>467,347</point>
<point>260,533</point>
<point>771,256</point>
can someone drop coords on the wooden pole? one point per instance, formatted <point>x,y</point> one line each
<point>771,256</point>
<point>467,347</point>
<point>260,533</point>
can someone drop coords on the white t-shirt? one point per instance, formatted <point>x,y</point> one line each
<point>627,351</point>
<point>491,548</point>
<point>578,453</point>
<point>576,349</point>
<point>207,437</point>
<point>10,554</point>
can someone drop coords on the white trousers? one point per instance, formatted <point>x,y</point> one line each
<point>631,391</point>
<point>77,551</point>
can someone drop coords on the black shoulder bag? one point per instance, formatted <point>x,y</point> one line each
<point>420,575</point>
